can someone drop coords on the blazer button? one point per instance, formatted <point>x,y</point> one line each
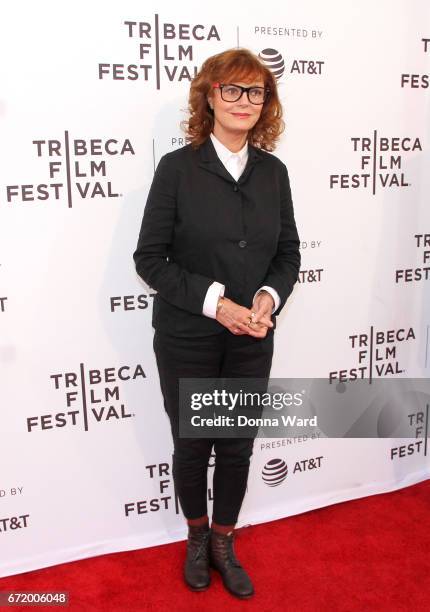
<point>235,188</point>
<point>242,244</point>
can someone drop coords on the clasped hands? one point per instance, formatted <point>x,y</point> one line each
<point>239,320</point>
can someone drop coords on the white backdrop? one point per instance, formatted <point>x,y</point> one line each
<point>91,96</point>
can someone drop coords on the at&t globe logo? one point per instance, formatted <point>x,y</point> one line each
<point>273,61</point>
<point>274,472</point>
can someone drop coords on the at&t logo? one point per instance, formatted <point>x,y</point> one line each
<point>274,61</point>
<point>275,471</point>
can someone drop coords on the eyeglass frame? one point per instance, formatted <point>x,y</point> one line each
<point>266,90</point>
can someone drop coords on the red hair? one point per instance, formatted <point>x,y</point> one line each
<point>229,66</point>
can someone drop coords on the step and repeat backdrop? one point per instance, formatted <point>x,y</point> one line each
<point>91,97</point>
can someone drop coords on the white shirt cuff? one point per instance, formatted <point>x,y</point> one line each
<point>273,293</point>
<point>215,291</point>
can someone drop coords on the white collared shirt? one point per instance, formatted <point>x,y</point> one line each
<point>235,164</point>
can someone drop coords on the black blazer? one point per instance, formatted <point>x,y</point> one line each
<point>200,226</point>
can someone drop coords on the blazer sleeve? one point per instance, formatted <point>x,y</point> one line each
<point>284,267</point>
<point>176,285</point>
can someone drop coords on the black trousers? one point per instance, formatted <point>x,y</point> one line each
<point>218,355</point>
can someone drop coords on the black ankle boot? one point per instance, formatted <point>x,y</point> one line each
<point>196,569</point>
<point>223,558</point>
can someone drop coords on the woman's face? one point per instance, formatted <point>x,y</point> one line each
<point>235,117</point>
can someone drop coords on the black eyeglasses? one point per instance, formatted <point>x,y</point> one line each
<point>232,93</point>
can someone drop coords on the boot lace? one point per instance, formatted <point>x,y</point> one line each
<point>227,553</point>
<point>202,550</point>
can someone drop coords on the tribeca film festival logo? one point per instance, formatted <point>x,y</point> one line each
<point>127,303</point>
<point>72,171</point>
<point>3,300</point>
<point>162,50</point>
<point>418,422</point>
<point>380,163</point>
<point>160,477</point>
<point>408,275</point>
<point>417,81</point>
<point>376,353</point>
<point>274,60</point>
<point>275,471</point>
<point>377,357</point>
<point>90,397</point>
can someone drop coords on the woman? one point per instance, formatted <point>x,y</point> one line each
<point>219,244</point>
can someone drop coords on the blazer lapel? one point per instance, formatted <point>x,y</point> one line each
<point>210,161</point>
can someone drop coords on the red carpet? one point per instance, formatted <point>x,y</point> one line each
<point>369,554</point>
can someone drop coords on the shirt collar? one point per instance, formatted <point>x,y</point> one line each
<point>224,154</point>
